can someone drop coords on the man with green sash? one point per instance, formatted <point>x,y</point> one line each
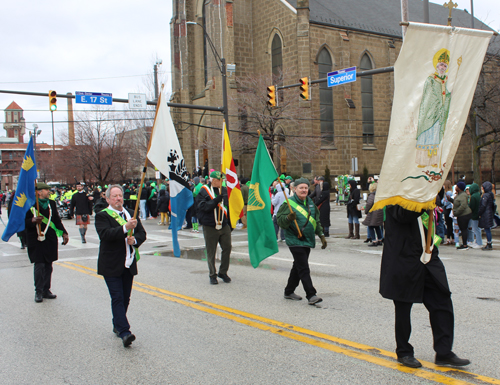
<point>304,217</point>
<point>120,235</point>
<point>43,227</point>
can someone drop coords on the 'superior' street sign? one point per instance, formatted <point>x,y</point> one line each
<point>93,98</point>
<point>339,77</point>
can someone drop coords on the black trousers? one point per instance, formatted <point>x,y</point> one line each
<point>300,272</point>
<point>449,223</point>
<point>440,308</point>
<point>42,272</point>
<point>119,291</point>
<point>223,238</point>
<point>463,224</point>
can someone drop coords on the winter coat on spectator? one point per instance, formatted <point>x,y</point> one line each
<point>475,200</point>
<point>486,208</point>
<point>375,218</point>
<point>323,204</point>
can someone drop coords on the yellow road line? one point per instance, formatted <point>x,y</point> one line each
<point>291,331</point>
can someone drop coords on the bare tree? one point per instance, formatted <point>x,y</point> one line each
<point>280,125</point>
<point>483,124</point>
<point>98,149</point>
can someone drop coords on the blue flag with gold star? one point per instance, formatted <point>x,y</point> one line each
<point>25,194</point>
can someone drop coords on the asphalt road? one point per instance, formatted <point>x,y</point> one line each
<point>245,332</point>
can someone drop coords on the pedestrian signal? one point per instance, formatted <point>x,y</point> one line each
<point>271,94</point>
<point>304,88</point>
<point>53,100</point>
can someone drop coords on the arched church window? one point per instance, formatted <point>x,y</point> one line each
<point>367,101</point>
<point>325,99</point>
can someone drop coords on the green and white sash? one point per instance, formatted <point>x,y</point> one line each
<point>303,212</point>
<point>121,221</point>
<point>48,222</point>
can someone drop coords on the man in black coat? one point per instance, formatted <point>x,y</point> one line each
<point>212,203</point>
<point>83,204</point>
<point>118,254</point>
<point>407,276</point>
<point>42,228</point>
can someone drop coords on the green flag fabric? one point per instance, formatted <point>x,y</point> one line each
<point>262,241</point>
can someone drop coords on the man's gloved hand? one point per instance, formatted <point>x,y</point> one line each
<point>323,242</point>
<point>292,216</point>
<point>218,198</point>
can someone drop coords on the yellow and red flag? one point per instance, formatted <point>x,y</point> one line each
<point>232,183</point>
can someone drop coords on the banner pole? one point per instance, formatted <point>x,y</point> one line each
<point>429,231</point>
<point>146,161</point>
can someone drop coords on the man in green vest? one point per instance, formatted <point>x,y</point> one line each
<point>301,225</point>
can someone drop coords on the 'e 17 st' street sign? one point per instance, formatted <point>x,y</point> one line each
<point>93,98</point>
<point>339,77</point>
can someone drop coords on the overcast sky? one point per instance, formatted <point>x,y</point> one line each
<point>96,46</point>
<point>105,46</point>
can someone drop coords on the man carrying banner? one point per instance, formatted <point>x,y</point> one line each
<point>43,226</point>
<point>120,235</point>
<point>304,215</point>
<point>408,277</point>
<point>212,203</point>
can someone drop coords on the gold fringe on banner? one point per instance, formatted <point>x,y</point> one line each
<point>404,203</point>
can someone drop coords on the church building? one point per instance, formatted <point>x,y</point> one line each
<point>277,42</point>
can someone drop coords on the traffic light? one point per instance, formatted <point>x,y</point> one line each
<point>304,88</point>
<point>53,100</point>
<point>271,94</point>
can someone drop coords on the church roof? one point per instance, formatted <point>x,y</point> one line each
<point>383,16</point>
<point>13,106</point>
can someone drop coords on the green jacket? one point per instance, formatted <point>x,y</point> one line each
<point>460,205</point>
<point>475,200</point>
<point>305,225</point>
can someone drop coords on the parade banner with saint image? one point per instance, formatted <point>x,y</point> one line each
<point>435,78</point>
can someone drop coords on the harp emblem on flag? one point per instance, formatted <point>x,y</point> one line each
<point>255,202</point>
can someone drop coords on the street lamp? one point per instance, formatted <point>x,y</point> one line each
<point>222,69</point>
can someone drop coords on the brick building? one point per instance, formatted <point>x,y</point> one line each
<point>297,38</point>
<point>13,147</point>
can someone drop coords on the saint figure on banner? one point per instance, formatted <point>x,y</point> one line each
<point>433,112</point>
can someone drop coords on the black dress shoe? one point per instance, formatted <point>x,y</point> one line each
<point>410,361</point>
<point>128,339</point>
<point>454,360</point>
<point>38,297</point>
<point>213,281</point>
<point>48,294</point>
<point>224,277</point>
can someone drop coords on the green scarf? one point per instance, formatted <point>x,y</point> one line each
<point>44,203</point>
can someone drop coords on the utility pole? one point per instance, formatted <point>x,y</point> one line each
<point>472,13</point>
<point>404,16</point>
<point>155,69</point>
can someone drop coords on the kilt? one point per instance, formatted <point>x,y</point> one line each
<point>79,220</point>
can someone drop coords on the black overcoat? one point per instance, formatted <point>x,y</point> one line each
<point>323,203</point>
<point>486,207</point>
<point>112,252</point>
<point>47,250</point>
<point>402,274</point>
<point>354,198</point>
<point>163,201</point>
